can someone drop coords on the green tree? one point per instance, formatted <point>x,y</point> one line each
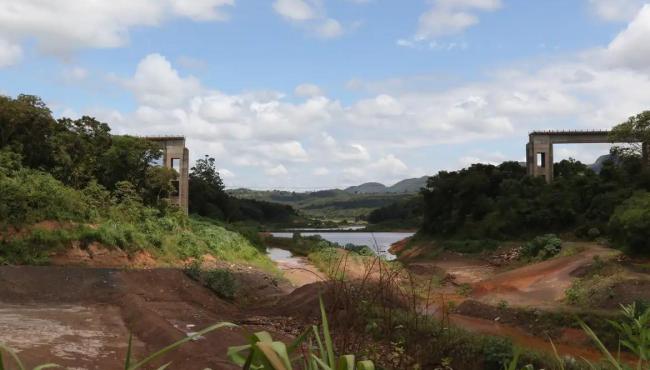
<point>128,159</point>
<point>26,128</point>
<point>77,149</point>
<point>635,131</point>
<point>207,193</point>
<point>630,223</point>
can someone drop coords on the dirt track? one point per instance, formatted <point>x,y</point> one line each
<point>81,317</point>
<point>541,284</point>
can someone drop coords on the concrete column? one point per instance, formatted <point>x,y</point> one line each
<point>542,152</point>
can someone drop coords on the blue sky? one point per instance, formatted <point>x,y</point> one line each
<point>302,94</point>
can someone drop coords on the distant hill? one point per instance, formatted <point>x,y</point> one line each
<point>402,187</point>
<point>368,188</point>
<point>409,185</point>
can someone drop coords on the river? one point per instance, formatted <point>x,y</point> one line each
<point>379,241</point>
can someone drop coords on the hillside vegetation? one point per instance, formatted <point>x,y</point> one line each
<point>332,204</point>
<point>94,188</point>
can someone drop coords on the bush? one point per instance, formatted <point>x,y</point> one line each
<point>630,223</point>
<point>221,281</point>
<point>542,247</point>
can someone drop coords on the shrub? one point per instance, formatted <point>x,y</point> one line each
<point>630,223</point>
<point>222,282</point>
<point>542,247</point>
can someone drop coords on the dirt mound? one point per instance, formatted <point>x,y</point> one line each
<point>539,284</point>
<point>98,255</point>
<point>158,306</point>
<point>303,302</point>
<point>624,292</point>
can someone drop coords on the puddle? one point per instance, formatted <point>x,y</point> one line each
<point>298,270</point>
<point>66,335</point>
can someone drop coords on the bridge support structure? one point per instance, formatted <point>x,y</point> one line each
<point>539,149</point>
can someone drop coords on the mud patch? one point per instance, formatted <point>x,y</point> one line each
<point>83,337</point>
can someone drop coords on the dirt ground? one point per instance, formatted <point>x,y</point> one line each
<point>81,317</point>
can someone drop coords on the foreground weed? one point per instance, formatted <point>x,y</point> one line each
<point>263,353</point>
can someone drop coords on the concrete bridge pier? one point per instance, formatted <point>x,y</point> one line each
<point>539,157</point>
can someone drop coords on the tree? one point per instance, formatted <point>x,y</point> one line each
<point>77,149</point>
<point>630,223</point>
<point>128,159</point>
<point>635,131</point>
<point>26,128</point>
<point>207,193</point>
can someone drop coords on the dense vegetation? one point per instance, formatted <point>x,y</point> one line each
<point>331,204</point>
<point>208,198</point>
<point>94,187</point>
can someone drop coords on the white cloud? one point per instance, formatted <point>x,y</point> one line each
<point>65,25</point>
<point>157,84</point>
<point>367,139</point>
<point>295,10</point>
<point>74,74</point>
<point>226,173</point>
<point>448,17</point>
<point>311,15</point>
<point>329,28</point>
<point>321,171</point>
<point>494,158</point>
<point>308,90</point>
<point>278,170</point>
<point>201,10</point>
<point>616,10</point>
<point>10,53</point>
<point>631,48</point>
<point>387,169</point>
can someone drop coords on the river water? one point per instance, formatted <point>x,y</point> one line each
<point>378,242</point>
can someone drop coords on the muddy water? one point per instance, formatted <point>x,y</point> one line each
<point>69,335</point>
<point>379,241</point>
<point>298,270</point>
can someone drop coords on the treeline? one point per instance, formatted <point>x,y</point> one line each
<point>501,202</point>
<point>83,152</point>
<point>208,198</point>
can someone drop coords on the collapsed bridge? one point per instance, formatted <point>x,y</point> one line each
<point>539,149</point>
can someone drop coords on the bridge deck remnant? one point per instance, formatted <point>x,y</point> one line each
<point>539,149</point>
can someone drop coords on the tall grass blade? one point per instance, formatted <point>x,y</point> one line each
<point>600,345</point>
<point>127,361</point>
<point>47,366</point>
<point>179,343</point>
<point>13,356</point>
<point>321,349</point>
<point>559,360</point>
<point>271,356</point>
<point>321,363</point>
<point>326,334</point>
<point>365,365</point>
<point>345,363</point>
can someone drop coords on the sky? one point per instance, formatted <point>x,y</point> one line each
<point>313,94</point>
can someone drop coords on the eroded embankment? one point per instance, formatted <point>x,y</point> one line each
<point>81,318</point>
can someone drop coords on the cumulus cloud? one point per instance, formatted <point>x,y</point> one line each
<point>74,74</point>
<point>157,84</point>
<point>317,137</point>
<point>278,170</point>
<point>616,10</point>
<point>10,53</point>
<point>631,48</point>
<point>295,10</point>
<point>311,15</point>
<point>448,17</point>
<point>308,90</point>
<point>65,25</point>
